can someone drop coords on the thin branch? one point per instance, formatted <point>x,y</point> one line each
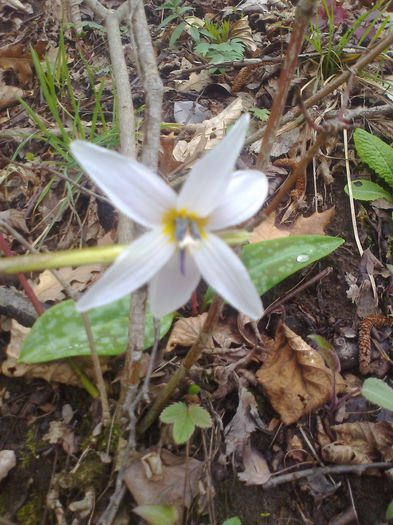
<point>303,14</point>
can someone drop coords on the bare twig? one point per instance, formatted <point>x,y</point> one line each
<point>303,13</point>
<point>277,480</point>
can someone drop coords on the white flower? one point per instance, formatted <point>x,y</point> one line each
<point>179,246</point>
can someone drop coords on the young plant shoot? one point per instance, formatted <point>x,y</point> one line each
<point>180,245</point>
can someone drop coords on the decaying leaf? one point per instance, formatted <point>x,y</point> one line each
<point>176,484</point>
<point>18,58</point>
<point>61,433</point>
<point>360,442</point>
<point>212,132</point>
<point>9,95</point>
<point>315,224</point>
<point>241,29</point>
<point>15,218</point>
<point>7,462</point>
<point>295,377</point>
<point>256,470</point>
<point>243,424</point>
<point>197,82</point>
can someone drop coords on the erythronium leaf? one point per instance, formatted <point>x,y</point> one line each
<point>60,333</point>
<point>376,154</point>
<point>200,417</point>
<point>270,262</point>
<point>157,514</point>
<point>365,190</point>
<point>378,392</point>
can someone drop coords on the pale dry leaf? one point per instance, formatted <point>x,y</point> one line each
<point>197,82</point>
<point>212,132</point>
<point>57,371</point>
<point>256,470</point>
<point>9,95</point>
<point>48,288</point>
<point>360,442</point>
<point>7,462</point>
<point>177,484</point>
<point>16,4</point>
<point>284,142</point>
<point>60,433</point>
<point>295,377</point>
<point>315,224</point>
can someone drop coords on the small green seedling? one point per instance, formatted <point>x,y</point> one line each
<point>232,521</point>
<point>177,12</point>
<point>185,418</point>
<point>379,157</point>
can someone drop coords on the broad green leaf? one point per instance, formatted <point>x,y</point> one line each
<point>232,521</point>
<point>270,262</point>
<point>157,514</point>
<point>378,392</point>
<point>174,412</point>
<point>376,154</point>
<point>59,332</point>
<point>365,190</point>
<point>200,417</point>
<point>389,511</point>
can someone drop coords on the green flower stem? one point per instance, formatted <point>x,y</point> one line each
<point>84,256</point>
<point>47,261</point>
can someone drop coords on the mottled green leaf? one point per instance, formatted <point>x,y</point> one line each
<point>378,392</point>
<point>270,262</point>
<point>376,154</point>
<point>157,514</point>
<point>365,190</point>
<point>60,333</point>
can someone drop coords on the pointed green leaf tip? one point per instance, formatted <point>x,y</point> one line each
<point>378,392</point>
<point>365,190</point>
<point>157,514</point>
<point>376,154</point>
<point>60,333</point>
<point>232,521</point>
<point>184,419</point>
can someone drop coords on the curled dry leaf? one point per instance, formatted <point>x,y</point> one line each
<point>360,442</point>
<point>9,95</point>
<point>15,218</point>
<point>212,132</point>
<point>7,462</point>
<point>295,377</point>
<point>18,58</point>
<point>60,433</point>
<point>313,225</point>
<point>176,485</point>
<point>241,29</point>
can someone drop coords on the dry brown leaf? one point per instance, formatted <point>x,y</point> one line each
<point>244,422</point>
<point>15,218</point>
<point>9,95</point>
<point>197,82</point>
<point>360,442</point>
<point>313,225</point>
<point>18,58</point>
<point>256,470</point>
<point>48,288</point>
<point>241,30</point>
<point>58,371</point>
<point>61,433</point>
<point>164,479</point>
<point>295,377</point>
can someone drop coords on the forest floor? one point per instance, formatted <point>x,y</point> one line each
<point>267,387</point>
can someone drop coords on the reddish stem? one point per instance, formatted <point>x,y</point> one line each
<point>194,303</point>
<point>22,279</point>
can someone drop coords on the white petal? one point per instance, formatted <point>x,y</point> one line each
<point>134,267</point>
<point>224,271</point>
<point>209,177</point>
<point>170,289</point>
<point>245,195</point>
<point>133,189</point>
